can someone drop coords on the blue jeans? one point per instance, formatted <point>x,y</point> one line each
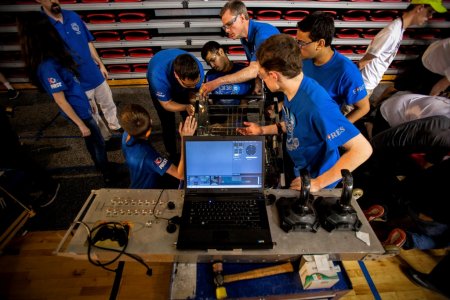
<point>95,145</point>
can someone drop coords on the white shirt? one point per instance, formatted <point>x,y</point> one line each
<point>404,107</point>
<point>384,47</point>
<point>437,58</point>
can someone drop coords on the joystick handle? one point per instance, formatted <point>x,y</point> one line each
<point>347,188</point>
<point>306,187</point>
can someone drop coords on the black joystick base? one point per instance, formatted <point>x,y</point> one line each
<point>296,217</point>
<point>334,215</point>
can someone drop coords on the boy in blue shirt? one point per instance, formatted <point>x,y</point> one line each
<point>146,165</point>
<point>337,74</point>
<point>314,126</point>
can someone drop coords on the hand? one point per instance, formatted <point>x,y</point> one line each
<point>190,109</point>
<point>257,90</point>
<point>190,125</point>
<point>103,71</point>
<point>251,129</point>
<point>296,184</point>
<point>84,130</point>
<point>208,87</point>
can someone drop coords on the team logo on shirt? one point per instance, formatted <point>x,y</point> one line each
<point>359,89</point>
<point>75,28</point>
<point>160,162</point>
<point>335,133</point>
<point>54,84</point>
<point>160,94</point>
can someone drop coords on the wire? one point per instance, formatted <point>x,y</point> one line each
<point>91,244</point>
<point>154,207</point>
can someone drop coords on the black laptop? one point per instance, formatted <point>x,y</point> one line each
<point>224,206</point>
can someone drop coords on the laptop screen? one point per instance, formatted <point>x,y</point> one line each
<point>224,162</point>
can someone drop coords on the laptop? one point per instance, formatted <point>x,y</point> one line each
<point>224,206</point>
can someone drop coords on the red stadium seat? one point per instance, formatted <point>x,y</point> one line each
<point>101,18</point>
<point>112,53</point>
<point>140,68</point>
<point>370,33</point>
<point>355,15</point>
<point>132,17</point>
<point>290,31</point>
<point>268,15</point>
<point>106,36</point>
<point>348,33</point>
<point>136,35</point>
<point>236,50</point>
<point>140,52</point>
<point>118,68</point>
<point>295,15</point>
<point>345,49</point>
<point>383,15</point>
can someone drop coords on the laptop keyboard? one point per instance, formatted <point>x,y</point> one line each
<point>234,213</point>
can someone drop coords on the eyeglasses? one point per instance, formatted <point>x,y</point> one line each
<point>229,24</point>
<point>303,44</point>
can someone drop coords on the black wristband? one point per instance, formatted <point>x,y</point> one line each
<point>279,128</point>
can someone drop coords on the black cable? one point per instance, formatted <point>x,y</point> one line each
<point>91,244</point>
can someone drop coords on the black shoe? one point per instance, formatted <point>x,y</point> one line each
<point>420,279</point>
<point>13,94</point>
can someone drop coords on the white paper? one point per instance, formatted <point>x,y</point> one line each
<point>363,236</point>
<point>322,262</point>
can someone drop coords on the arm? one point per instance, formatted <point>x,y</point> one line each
<point>365,60</point>
<point>190,125</point>
<point>243,75</point>
<point>97,60</point>
<point>255,129</point>
<point>357,151</point>
<point>362,107</point>
<point>60,99</point>
<point>175,106</point>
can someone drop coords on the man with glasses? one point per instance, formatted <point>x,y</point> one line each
<point>314,126</point>
<point>383,48</point>
<point>237,24</point>
<point>173,76</point>
<point>336,73</point>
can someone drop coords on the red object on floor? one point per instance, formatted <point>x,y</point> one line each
<point>101,18</point>
<point>112,53</point>
<point>106,36</point>
<point>374,212</point>
<point>295,15</point>
<point>140,68</point>
<point>140,52</point>
<point>268,15</point>
<point>136,35</point>
<point>118,68</point>
<point>397,237</point>
<point>132,17</point>
<point>349,33</point>
<point>236,50</point>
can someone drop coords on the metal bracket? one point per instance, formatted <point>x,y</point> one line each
<point>188,42</point>
<point>185,3</point>
<point>187,24</point>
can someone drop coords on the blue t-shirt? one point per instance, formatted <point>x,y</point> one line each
<point>257,33</point>
<point>340,77</point>
<point>160,75</point>
<point>242,88</point>
<point>315,129</point>
<point>77,37</point>
<point>146,165</point>
<point>54,78</point>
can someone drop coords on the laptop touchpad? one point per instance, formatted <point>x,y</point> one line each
<point>220,235</point>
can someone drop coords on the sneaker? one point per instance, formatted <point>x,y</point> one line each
<point>397,237</point>
<point>51,197</point>
<point>13,94</point>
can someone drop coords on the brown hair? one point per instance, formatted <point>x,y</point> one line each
<point>135,120</point>
<point>236,8</point>
<point>282,54</point>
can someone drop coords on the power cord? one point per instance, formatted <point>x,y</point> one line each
<point>120,233</point>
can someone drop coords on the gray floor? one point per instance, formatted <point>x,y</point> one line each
<point>60,149</point>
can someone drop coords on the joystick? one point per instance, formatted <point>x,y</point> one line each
<point>338,213</point>
<point>298,214</point>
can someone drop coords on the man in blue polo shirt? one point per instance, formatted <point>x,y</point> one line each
<point>314,126</point>
<point>93,73</point>
<point>336,73</point>
<point>238,25</point>
<point>173,76</point>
